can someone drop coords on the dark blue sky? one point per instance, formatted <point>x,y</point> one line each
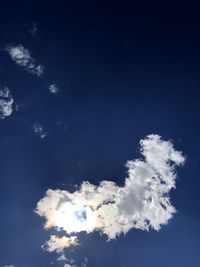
<point>124,70</point>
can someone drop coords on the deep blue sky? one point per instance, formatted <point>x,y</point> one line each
<point>125,70</point>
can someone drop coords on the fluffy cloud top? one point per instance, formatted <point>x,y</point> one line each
<point>6,103</point>
<point>142,202</point>
<point>21,56</point>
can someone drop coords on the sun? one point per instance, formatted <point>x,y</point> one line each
<point>74,218</point>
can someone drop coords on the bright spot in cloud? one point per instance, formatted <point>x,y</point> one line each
<point>74,218</point>
<point>142,202</point>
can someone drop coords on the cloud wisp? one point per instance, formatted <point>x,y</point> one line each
<point>22,57</point>
<point>6,103</point>
<point>68,265</point>
<point>39,130</point>
<point>141,203</point>
<point>33,30</point>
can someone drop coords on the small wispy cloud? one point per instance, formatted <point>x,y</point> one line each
<point>39,130</point>
<point>62,258</point>
<point>53,88</point>
<point>6,103</point>
<point>68,265</point>
<point>58,244</point>
<point>85,262</point>
<point>141,203</point>
<point>33,30</point>
<point>68,262</point>
<point>22,57</point>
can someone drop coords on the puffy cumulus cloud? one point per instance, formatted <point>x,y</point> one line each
<point>58,244</point>
<point>53,88</point>
<point>142,202</point>
<point>6,103</point>
<point>9,266</point>
<point>39,130</point>
<point>21,56</point>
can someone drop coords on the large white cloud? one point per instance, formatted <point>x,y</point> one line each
<point>21,56</point>
<point>142,202</point>
<point>6,103</point>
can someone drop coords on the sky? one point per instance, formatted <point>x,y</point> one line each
<point>99,134</point>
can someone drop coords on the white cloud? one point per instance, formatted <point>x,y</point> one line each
<point>6,103</point>
<point>53,88</point>
<point>21,56</point>
<point>142,202</point>
<point>9,266</point>
<point>58,244</point>
<point>39,130</point>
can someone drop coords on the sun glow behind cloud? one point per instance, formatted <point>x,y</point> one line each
<point>142,203</point>
<point>74,218</point>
